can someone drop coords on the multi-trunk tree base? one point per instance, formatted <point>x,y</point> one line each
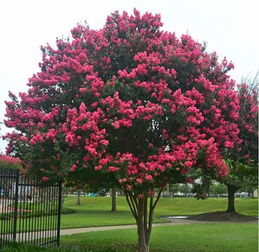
<point>142,207</point>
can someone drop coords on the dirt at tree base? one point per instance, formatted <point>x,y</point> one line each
<point>222,216</point>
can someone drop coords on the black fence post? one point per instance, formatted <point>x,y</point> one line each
<point>59,211</point>
<point>16,197</point>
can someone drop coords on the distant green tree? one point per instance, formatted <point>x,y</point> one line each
<point>174,188</point>
<point>218,188</point>
<point>185,188</point>
<point>114,204</point>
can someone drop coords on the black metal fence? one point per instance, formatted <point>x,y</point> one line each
<point>29,210</point>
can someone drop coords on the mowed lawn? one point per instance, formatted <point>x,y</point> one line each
<point>96,211</point>
<point>216,237</point>
<point>220,237</point>
<point>212,237</point>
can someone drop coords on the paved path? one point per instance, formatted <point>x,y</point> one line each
<point>93,229</point>
<point>42,234</point>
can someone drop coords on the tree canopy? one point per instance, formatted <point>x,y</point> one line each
<point>242,161</point>
<point>129,103</point>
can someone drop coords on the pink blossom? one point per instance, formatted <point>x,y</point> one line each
<point>45,178</point>
<point>104,142</point>
<point>229,144</point>
<point>113,169</point>
<point>139,180</point>
<point>73,168</point>
<point>128,187</point>
<point>149,177</point>
<point>188,164</point>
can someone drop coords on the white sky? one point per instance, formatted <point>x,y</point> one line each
<point>230,27</point>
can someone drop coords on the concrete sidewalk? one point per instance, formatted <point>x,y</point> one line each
<point>28,236</point>
<point>94,229</point>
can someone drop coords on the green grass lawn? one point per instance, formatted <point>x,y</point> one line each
<point>95,211</point>
<point>214,237</point>
<point>203,237</point>
<point>219,237</point>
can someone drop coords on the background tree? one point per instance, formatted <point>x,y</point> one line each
<point>243,160</point>
<point>218,189</point>
<point>129,104</point>
<point>174,188</point>
<point>79,191</point>
<point>185,189</point>
<point>113,195</point>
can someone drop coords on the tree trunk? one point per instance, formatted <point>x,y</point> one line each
<point>142,209</point>
<point>78,197</point>
<point>114,208</point>
<point>143,245</point>
<point>231,198</point>
<point>142,229</point>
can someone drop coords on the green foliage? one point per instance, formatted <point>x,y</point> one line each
<point>185,188</point>
<point>241,174</point>
<point>174,188</point>
<point>217,188</point>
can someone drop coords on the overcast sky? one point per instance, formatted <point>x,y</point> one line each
<point>230,27</point>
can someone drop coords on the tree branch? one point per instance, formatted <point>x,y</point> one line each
<point>150,219</point>
<point>145,215</point>
<point>131,205</point>
<point>158,197</point>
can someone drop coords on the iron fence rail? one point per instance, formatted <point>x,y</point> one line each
<point>30,210</point>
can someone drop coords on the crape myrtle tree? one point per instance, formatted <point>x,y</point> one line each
<point>242,160</point>
<point>128,104</point>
